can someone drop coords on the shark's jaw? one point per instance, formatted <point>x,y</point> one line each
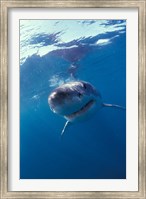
<point>81,112</point>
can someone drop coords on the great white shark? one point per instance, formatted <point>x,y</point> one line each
<point>76,101</point>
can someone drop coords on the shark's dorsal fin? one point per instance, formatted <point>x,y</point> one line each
<point>63,130</point>
<point>114,106</point>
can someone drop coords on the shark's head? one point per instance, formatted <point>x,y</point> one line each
<point>75,100</point>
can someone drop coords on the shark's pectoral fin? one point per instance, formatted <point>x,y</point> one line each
<point>114,106</point>
<point>65,126</point>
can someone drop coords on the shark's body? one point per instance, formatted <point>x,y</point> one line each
<point>76,101</point>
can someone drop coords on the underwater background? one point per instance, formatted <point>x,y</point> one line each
<point>53,52</point>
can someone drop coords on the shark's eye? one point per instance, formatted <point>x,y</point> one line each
<point>79,94</point>
<point>84,85</point>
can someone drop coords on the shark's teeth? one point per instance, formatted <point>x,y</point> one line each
<point>81,111</point>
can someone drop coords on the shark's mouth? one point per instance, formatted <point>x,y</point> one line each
<point>81,111</point>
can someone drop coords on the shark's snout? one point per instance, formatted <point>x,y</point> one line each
<point>58,97</point>
<point>59,101</point>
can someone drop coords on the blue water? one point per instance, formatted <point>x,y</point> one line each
<point>96,148</point>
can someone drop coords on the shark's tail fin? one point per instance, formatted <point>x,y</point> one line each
<point>114,106</point>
